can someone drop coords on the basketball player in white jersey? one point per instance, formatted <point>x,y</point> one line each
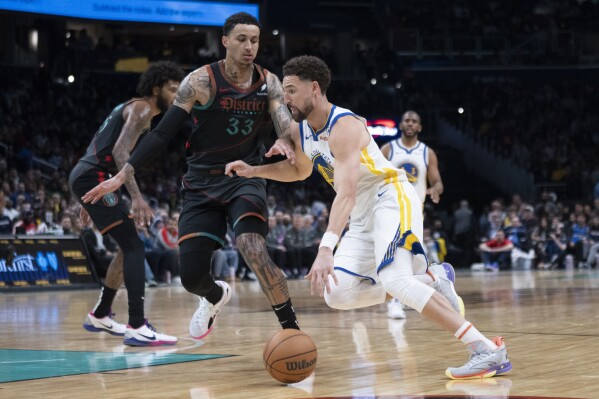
<point>421,166</point>
<point>381,252</point>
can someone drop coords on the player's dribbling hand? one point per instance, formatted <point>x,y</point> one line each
<point>142,213</point>
<point>240,168</point>
<point>107,186</point>
<point>282,147</point>
<point>319,274</point>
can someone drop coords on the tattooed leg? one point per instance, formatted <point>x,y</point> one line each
<point>252,247</point>
<point>114,274</point>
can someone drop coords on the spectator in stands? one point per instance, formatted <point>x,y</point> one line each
<point>29,224</point>
<point>496,221</point>
<point>5,221</point>
<point>496,252</point>
<point>275,239</point>
<point>9,209</point>
<point>66,224</point>
<point>464,231</point>
<point>168,235</point>
<point>166,240</point>
<point>430,247</point>
<point>556,246</point>
<point>226,259</point>
<point>539,239</point>
<point>296,242</point>
<point>271,204</point>
<point>592,259</point>
<point>155,259</point>
<point>579,238</point>
<point>522,253</point>
<point>527,217</point>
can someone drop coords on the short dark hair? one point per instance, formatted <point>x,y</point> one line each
<point>157,75</point>
<point>239,18</point>
<point>308,67</point>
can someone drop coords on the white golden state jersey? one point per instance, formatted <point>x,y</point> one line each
<point>415,163</point>
<point>375,170</point>
<point>387,214</point>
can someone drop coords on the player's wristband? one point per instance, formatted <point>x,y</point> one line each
<point>329,240</point>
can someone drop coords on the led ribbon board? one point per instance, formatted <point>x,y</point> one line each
<point>209,13</point>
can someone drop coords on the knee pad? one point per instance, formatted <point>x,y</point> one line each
<point>194,264</point>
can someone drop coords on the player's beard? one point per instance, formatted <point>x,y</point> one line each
<point>162,103</point>
<point>300,115</point>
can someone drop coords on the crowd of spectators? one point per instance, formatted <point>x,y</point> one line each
<point>46,125</point>
<point>548,234</point>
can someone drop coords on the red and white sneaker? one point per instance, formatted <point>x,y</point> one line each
<point>203,319</point>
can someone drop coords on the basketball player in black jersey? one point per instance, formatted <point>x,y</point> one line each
<point>232,103</point>
<point>107,153</point>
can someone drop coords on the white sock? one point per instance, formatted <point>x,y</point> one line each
<point>468,334</point>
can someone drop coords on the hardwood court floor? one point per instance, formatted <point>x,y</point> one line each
<point>550,320</point>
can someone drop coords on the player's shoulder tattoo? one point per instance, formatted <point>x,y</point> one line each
<point>195,84</point>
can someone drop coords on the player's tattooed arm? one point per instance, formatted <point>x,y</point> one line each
<point>281,117</point>
<point>138,116</point>
<point>197,86</point>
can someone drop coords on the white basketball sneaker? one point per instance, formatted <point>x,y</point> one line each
<point>203,319</point>
<point>147,335</point>
<point>445,286</point>
<point>395,309</point>
<point>93,324</point>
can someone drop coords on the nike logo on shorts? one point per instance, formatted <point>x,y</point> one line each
<point>380,194</point>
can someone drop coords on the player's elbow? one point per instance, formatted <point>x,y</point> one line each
<point>303,173</point>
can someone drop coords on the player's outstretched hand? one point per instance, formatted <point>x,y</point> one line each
<point>107,186</point>
<point>142,213</point>
<point>282,147</point>
<point>240,168</point>
<point>319,274</point>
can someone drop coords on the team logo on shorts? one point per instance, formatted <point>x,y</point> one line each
<point>411,171</point>
<point>110,199</point>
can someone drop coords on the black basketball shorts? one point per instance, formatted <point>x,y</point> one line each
<point>207,208</point>
<point>107,213</point>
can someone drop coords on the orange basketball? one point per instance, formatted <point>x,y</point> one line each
<point>290,356</point>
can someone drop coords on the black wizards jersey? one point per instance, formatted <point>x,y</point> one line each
<point>232,125</point>
<point>99,151</point>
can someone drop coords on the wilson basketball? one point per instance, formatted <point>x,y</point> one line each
<point>290,356</point>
